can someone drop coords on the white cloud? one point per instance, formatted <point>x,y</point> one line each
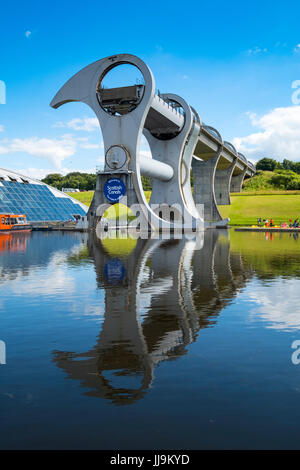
<point>53,150</point>
<point>278,305</point>
<point>39,282</point>
<point>37,173</point>
<point>297,48</point>
<point>40,173</point>
<point>28,33</point>
<point>93,311</point>
<point>1,128</point>
<point>257,50</point>
<point>279,135</point>
<point>77,124</point>
<point>89,146</point>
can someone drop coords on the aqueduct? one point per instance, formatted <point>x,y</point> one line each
<point>179,141</point>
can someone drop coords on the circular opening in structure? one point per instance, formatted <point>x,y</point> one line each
<point>147,181</point>
<point>172,121</point>
<point>121,89</point>
<point>118,215</point>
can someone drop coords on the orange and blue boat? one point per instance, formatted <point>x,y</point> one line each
<point>10,223</point>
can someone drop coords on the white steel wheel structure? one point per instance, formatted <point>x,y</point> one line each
<point>178,141</point>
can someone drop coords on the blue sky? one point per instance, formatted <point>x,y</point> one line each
<point>234,63</point>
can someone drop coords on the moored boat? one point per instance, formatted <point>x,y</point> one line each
<point>14,223</point>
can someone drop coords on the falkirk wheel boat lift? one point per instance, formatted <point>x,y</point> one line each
<point>179,142</point>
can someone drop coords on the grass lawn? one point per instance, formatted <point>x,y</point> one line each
<point>245,207</point>
<point>85,197</point>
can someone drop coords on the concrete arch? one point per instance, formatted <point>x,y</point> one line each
<point>236,182</point>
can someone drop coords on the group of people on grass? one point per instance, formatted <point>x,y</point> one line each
<point>270,223</point>
<point>294,224</point>
<point>265,222</point>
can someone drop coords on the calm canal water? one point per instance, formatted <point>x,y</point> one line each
<point>149,344</point>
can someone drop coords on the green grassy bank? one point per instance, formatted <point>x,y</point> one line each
<point>85,197</point>
<point>245,207</point>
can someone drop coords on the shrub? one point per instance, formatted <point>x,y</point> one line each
<point>285,179</point>
<point>266,164</point>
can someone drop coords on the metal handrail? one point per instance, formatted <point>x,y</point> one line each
<point>212,131</point>
<point>196,116</point>
<point>230,147</point>
<point>171,104</point>
<point>242,157</point>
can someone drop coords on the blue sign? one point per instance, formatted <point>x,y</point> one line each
<point>114,189</point>
<point>114,271</point>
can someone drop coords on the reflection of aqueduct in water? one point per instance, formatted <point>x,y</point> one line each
<point>178,139</point>
<point>157,299</point>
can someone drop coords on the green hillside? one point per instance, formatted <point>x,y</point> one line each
<point>277,180</point>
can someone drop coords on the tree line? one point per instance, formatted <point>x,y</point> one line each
<point>286,174</point>
<point>81,181</point>
<point>269,164</point>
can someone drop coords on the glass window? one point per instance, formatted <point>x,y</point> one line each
<point>37,202</point>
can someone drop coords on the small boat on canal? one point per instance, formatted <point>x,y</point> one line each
<point>10,223</point>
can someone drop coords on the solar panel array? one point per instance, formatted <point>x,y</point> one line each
<point>37,202</point>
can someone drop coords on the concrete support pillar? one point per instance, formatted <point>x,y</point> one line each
<point>237,182</point>
<point>222,184</point>
<point>204,191</point>
<point>177,153</point>
<point>100,203</point>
